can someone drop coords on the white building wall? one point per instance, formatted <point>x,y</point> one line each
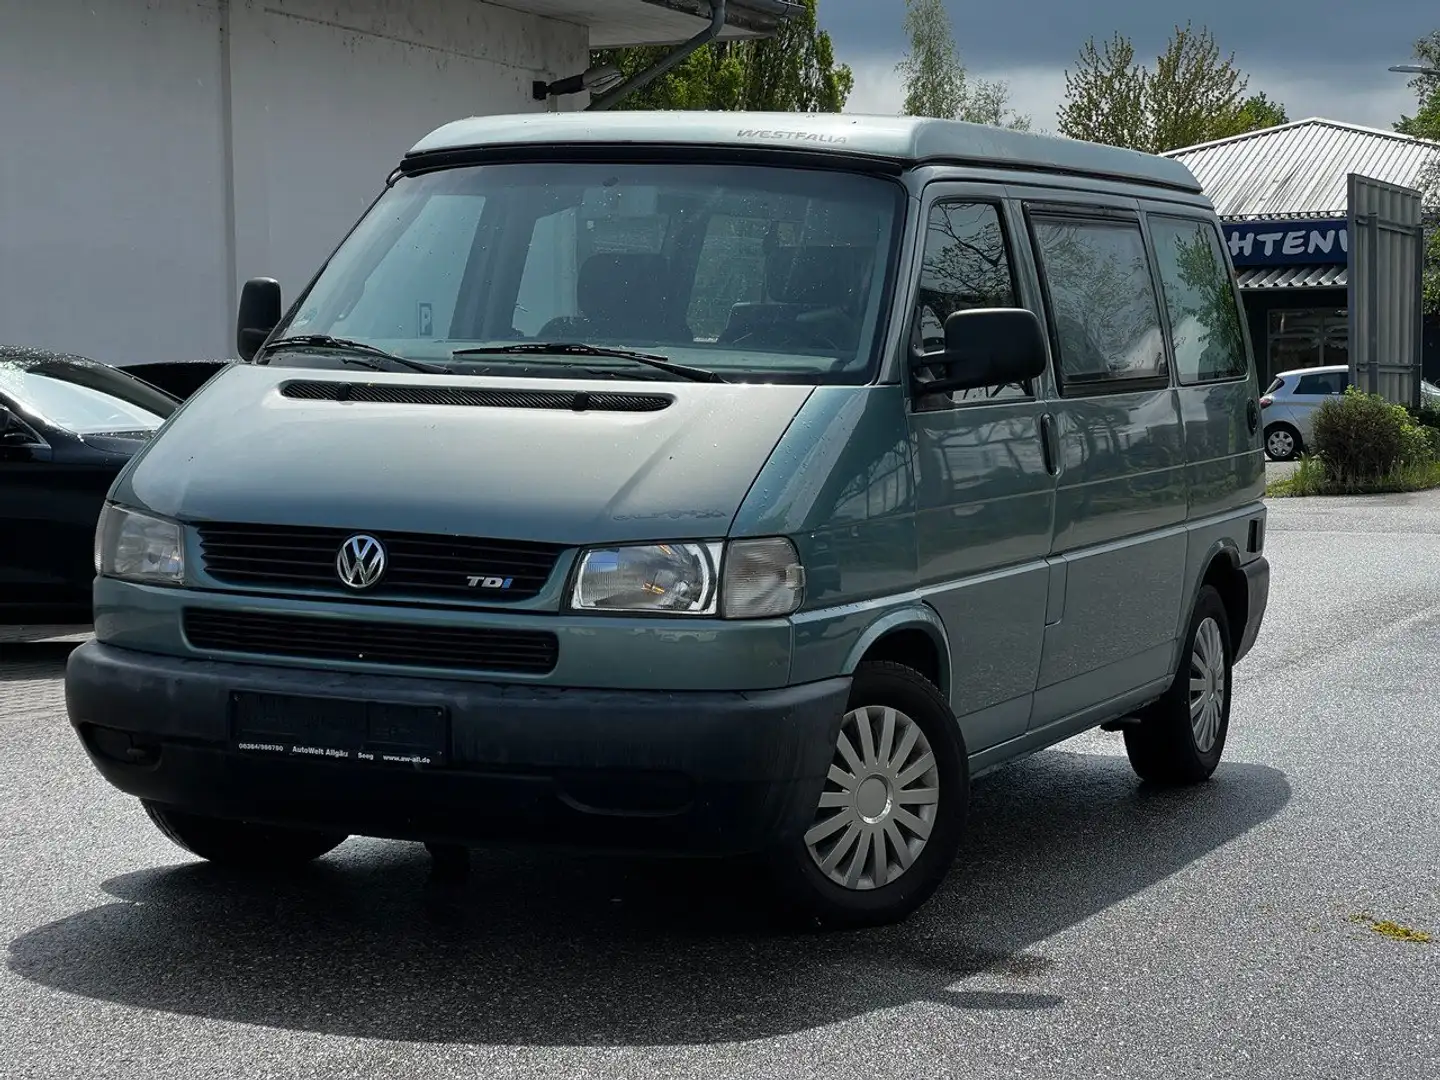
<point>156,153</point>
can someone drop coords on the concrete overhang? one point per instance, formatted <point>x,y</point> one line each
<point>619,23</point>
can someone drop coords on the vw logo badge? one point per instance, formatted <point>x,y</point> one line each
<point>361,561</point>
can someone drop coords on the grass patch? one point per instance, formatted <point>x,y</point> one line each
<point>1311,478</point>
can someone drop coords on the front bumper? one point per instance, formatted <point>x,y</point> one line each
<point>1257,592</point>
<point>692,772</point>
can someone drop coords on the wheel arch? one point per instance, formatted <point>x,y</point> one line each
<point>1221,569</point>
<point>913,636</point>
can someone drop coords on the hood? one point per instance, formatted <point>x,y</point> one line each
<point>270,445</point>
<point>118,442</point>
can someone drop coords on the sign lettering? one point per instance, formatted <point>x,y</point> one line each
<point>1288,243</point>
<point>791,136</point>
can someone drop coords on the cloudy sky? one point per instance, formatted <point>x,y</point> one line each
<point>1319,57</point>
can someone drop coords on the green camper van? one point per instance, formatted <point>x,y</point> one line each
<point>694,483</point>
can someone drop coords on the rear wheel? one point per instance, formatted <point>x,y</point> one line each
<point>1282,442</point>
<point>891,816</point>
<point>240,843</point>
<point>1180,738</point>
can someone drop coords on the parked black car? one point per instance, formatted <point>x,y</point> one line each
<point>67,427</point>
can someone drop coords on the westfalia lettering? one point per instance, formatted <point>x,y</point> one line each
<point>792,136</point>
<point>1267,242</point>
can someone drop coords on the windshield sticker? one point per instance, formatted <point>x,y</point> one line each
<point>425,320</point>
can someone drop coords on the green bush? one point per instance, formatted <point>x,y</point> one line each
<point>1362,437</point>
<point>1425,415</point>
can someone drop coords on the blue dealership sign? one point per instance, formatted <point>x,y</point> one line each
<point>1314,242</point>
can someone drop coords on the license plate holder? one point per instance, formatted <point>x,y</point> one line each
<point>338,729</point>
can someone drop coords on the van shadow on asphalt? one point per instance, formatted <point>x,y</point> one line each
<point>553,949</point>
<point>33,660</point>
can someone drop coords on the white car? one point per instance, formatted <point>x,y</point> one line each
<point>1288,405</point>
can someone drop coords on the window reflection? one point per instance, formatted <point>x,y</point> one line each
<point>1107,324</point>
<point>966,265</point>
<point>1200,297</point>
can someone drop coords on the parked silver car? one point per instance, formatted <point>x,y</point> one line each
<point>1289,405</point>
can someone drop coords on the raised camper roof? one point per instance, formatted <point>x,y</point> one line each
<point>904,140</point>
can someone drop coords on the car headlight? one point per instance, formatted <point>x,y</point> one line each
<point>138,547</point>
<point>746,579</point>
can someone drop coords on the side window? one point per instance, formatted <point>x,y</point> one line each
<point>966,265</point>
<point>1102,303</point>
<point>1204,320</point>
<point>1329,382</point>
<point>731,271</point>
<point>412,291</point>
<point>547,284</point>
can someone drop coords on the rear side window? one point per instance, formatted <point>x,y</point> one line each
<point>1102,303</point>
<point>1325,382</point>
<point>1205,333</point>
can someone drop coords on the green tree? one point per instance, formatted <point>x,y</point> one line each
<point>1260,112</point>
<point>936,83</point>
<point>1194,93</point>
<point>1425,124</point>
<point>793,71</point>
<point>1106,96</point>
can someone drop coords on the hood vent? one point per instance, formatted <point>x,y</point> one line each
<point>400,394</point>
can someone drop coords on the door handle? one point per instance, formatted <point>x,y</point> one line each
<point>1048,444</point>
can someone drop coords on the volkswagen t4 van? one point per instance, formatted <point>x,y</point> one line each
<point>695,483</point>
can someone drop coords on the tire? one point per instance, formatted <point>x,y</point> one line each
<point>936,798</point>
<point>238,843</point>
<point>1282,442</point>
<point>1180,738</point>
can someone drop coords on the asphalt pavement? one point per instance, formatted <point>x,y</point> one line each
<point>1092,927</point>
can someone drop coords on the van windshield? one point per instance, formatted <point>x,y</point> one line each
<point>753,272</point>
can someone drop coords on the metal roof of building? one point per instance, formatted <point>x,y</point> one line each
<point>908,140</point>
<point>1299,169</point>
<point>1294,277</point>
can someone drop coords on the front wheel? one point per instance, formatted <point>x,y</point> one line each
<point>240,843</point>
<point>1180,738</point>
<point>891,815</point>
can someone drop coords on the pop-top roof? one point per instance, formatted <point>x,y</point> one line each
<point>1298,169</point>
<point>904,139</point>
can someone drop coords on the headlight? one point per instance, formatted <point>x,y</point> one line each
<point>129,544</point>
<point>746,579</point>
<point>678,578</point>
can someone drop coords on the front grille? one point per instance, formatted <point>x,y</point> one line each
<point>417,564</point>
<point>520,652</point>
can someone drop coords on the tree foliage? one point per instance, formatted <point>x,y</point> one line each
<point>936,82</point>
<point>1425,124</point>
<point>1260,112</point>
<point>1194,93</point>
<point>793,71</point>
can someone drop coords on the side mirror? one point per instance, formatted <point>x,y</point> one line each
<point>985,347</point>
<point>259,314</point>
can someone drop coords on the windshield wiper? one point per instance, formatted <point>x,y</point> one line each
<point>565,348</point>
<point>325,341</point>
